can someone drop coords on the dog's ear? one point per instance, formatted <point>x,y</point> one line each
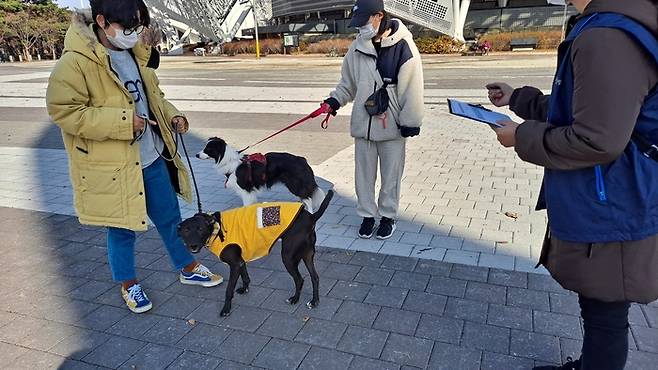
<point>217,216</point>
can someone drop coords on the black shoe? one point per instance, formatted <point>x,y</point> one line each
<point>367,228</point>
<point>386,228</point>
<point>569,365</point>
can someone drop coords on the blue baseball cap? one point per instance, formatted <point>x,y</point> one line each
<point>363,10</point>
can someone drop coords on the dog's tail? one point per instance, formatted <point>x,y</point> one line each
<point>323,207</point>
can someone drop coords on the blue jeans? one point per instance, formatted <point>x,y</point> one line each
<point>162,208</point>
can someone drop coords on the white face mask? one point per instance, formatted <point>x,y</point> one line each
<point>367,32</point>
<point>122,41</point>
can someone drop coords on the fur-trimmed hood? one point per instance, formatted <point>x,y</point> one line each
<point>81,38</point>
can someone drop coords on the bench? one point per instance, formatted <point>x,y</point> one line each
<point>523,44</point>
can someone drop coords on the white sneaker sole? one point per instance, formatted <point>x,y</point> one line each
<point>205,284</point>
<point>141,309</point>
<point>366,236</point>
<point>389,235</point>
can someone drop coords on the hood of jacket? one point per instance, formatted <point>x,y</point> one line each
<point>81,38</point>
<point>642,11</point>
<point>402,33</point>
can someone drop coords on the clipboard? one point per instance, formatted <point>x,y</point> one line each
<point>476,112</point>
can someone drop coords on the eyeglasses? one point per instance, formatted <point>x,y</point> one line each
<point>129,31</point>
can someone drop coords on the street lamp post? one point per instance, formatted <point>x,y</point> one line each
<point>564,21</point>
<point>253,9</point>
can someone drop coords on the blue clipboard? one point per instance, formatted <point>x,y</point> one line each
<point>476,112</point>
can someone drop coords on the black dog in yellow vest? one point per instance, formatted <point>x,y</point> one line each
<point>246,234</point>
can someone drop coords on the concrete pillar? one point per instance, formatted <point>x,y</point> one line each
<point>502,3</point>
<point>460,11</point>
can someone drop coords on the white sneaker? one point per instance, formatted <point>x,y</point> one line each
<point>200,276</point>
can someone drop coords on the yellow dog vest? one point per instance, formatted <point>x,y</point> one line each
<point>254,228</point>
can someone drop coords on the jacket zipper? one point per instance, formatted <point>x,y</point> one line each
<point>370,120</point>
<point>600,184</point>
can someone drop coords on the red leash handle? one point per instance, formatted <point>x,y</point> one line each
<point>325,121</point>
<point>324,109</point>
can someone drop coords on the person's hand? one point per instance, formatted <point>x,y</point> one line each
<point>332,106</point>
<point>500,93</point>
<point>507,133</point>
<point>138,123</point>
<point>180,124</point>
<point>326,108</point>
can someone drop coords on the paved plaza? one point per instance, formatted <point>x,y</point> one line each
<point>454,289</point>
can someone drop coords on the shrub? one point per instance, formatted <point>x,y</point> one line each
<point>338,46</point>
<point>267,46</point>
<point>438,45</point>
<point>545,39</point>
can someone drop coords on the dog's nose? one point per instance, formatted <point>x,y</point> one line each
<point>198,156</point>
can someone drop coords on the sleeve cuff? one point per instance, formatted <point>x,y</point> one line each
<point>333,103</point>
<point>123,127</point>
<point>513,99</point>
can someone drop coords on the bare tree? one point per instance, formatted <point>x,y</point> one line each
<point>3,27</point>
<point>26,29</point>
<point>54,29</point>
<point>152,36</point>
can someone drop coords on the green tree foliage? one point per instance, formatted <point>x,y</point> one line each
<point>31,27</point>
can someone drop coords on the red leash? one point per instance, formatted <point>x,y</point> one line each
<point>324,108</point>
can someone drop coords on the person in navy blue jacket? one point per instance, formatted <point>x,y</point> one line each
<point>595,136</point>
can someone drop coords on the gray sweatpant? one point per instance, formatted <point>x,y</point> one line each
<point>390,155</point>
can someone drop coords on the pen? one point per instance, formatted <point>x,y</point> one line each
<point>480,106</point>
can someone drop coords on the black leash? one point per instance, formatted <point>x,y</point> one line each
<point>196,188</point>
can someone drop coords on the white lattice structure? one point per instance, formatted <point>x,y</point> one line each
<point>215,20</point>
<point>432,14</point>
<point>221,20</point>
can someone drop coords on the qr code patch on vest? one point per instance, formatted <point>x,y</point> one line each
<point>269,216</point>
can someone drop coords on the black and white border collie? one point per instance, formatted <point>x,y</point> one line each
<point>248,175</point>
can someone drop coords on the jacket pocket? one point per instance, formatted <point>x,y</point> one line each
<point>101,190</point>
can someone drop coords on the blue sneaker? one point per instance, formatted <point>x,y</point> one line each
<point>200,276</point>
<point>136,299</point>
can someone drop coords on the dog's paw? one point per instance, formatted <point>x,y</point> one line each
<point>225,313</point>
<point>312,304</point>
<point>293,300</point>
<point>242,291</point>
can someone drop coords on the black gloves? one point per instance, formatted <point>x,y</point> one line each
<point>334,104</point>
<point>409,131</point>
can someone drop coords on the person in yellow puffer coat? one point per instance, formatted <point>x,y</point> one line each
<point>119,133</point>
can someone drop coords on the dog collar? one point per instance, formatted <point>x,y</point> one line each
<point>214,235</point>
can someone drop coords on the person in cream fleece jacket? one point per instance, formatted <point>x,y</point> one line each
<point>383,57</point>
